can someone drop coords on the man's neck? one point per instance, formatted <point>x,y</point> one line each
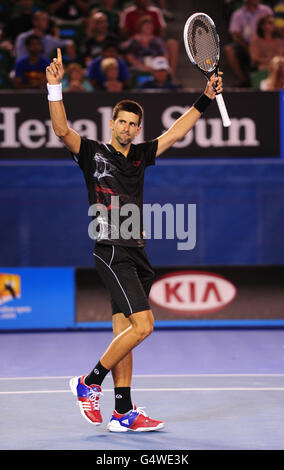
<point>120,148</point>
<point>142,10</point>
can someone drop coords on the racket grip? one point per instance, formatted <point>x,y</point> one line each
<point>223,110</point>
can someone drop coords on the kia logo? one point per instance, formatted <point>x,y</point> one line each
<point>192,292</point>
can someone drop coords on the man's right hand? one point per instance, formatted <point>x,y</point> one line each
<point>55,71</point>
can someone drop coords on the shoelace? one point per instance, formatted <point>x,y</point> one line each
<point>141,410</point>
<point>94,398</point>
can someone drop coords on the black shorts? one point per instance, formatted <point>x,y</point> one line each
<point>128,276</point>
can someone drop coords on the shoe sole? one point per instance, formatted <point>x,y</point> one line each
<point>118,428</point>
<point>73,385</point>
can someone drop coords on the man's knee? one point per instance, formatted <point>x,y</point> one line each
<point>143,323</point>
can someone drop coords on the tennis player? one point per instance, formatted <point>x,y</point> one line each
<point>117,169</point>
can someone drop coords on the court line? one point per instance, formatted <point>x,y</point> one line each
<point>186,389</point>
<point>146,376</point>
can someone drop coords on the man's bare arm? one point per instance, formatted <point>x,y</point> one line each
<point>54,75</point>
<point>187,121</point>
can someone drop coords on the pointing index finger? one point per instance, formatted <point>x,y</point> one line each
<point>59,55</point>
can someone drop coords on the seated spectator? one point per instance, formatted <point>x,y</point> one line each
<point>266,44</point>
<point>141,49</point>
<point>98,35</point>
<point>6,61</point>
<point>30,69</point>
<point>68,10</point>
<point>275,79</point>
<point>130,17</point>
<point>161,4</point>
<point>110,70</point>
<point>161,78</point>
<point>95,74</point>
<point>70,54</point>
<point>107,7</point>
<point>75,79</point>
<point>242,28</point>
<point>41,26</point>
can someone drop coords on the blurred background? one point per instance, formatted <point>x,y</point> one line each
<point>234,176</point>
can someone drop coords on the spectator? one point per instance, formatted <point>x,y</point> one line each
<point>30,69</point>
<point>95,74</point>
<point>275,79</point>
<point>68,10</point>
<point>242,28</point>
<point>112,15</point>
<point>110,70</point>
<point>130,22</point>
<point>71,54</point>
<point>141,49</point>
<point>6,61</point>
<point>75,79</point>
<point>41,26</point>
<point>98,35</point>
<point>266,44</point>
<point>160,76</point>
<point>130,17</point>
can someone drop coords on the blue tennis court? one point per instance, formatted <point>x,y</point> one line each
<point>215,389</point>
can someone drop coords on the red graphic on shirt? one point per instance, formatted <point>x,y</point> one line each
<point>104,195</point>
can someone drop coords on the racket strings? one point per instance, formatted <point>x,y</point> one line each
<point>203,43</point>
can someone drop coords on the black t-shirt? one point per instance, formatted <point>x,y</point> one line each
<point>114,181</point>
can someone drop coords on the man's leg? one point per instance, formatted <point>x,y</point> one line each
<point>142,324</point>
<point>127,417</point>
<point>122,371</point>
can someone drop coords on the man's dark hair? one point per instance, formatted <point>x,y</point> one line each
<point>130,106</point>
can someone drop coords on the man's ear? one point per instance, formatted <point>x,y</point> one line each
<point>111,123</point>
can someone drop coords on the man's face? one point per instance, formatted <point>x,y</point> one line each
<point>125,128</point>
<point>42,21</point>
<point>34,47</point>
<point>253,3</point>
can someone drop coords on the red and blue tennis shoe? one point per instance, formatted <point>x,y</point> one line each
<point>88,399</point>
<point>133,420</point>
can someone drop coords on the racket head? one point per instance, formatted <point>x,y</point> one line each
<point>202,42</point>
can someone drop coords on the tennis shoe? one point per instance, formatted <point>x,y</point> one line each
<point>134,420</point>
<point>88,399</point>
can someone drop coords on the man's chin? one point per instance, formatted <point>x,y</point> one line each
<point>125,142</point>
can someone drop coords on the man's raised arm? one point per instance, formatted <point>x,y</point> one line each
<point>54,76</point>
<point>186,122</point>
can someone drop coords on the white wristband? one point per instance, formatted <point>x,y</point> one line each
<point>54,92</point>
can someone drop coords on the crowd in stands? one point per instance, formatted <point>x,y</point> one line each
<point>256,53</point>
<point>107,45</point>
<point>115,45</point>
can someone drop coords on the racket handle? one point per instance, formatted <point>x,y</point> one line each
<point>223,110</point>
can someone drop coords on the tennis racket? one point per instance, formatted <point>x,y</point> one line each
<point>202,46</point>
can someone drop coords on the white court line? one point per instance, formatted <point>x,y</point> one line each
<point>142,376</point>
<point>191,389</point>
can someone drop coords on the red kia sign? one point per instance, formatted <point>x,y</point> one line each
<point>192,292</point>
